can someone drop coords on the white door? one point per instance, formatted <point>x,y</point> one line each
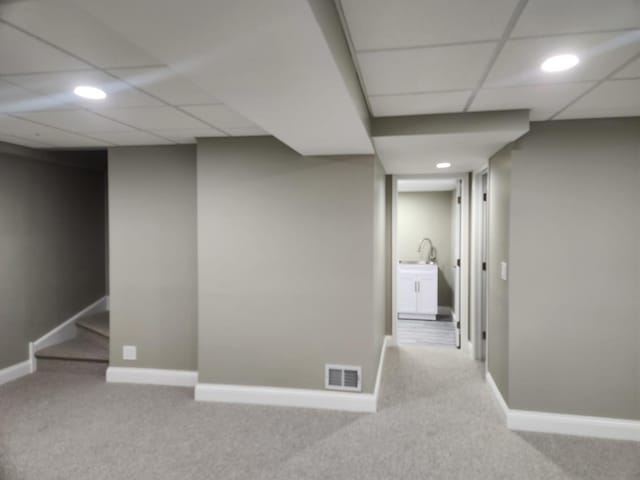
<point>406,293</point>
<point>457,248</point>
<point>427,294</point>
<point>484,291</point>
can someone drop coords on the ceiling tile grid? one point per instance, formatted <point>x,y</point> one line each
<point>60,47</point>
<point>424,56</point>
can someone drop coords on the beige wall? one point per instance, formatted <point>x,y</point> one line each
<point>52,250</point>
<point>498,301</point>
<point>428,214</point>
<point>152,220</point>
<point>574,329</point>
<point>286,264</point>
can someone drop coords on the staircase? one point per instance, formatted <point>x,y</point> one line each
<point>88,352</point>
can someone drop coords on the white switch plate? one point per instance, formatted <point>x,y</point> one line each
<point>503,270</point>
<point>129,352</point>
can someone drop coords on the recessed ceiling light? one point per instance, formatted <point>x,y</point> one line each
<point>559,63</point>
<point>92,93</point>
<point>443,165</point>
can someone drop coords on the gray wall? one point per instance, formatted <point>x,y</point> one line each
<point>286,263</point>
<point>498,301</point>
<point>428,214</point>
<point>574,332</point>
<point>52,251</point>
<point>152,223</point>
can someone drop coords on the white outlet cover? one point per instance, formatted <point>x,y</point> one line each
<point>129,352</point>
<point>503,270</point>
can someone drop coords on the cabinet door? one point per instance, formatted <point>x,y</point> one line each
<point>427,294</point>
<point>406,293</point>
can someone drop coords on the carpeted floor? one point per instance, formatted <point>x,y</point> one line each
<point>437,420</point>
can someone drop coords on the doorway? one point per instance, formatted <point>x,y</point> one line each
<point>430,254</point>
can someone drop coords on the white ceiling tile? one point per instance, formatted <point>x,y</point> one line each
<point>378,24</point>
<point>189,135</point>
<point>80,121</point>
<point>424,69</point>
<point>59,87</point>
<point>24,142</point>
<point>542,100</point>
<point>152,118</point>
<point>600,54</point>
<point>219,116</point>
<point>630,71</point>
<point>43,134</point>
<point>615,98</point>
<point>550,17</point>
<point>130,138</point>
<point>13,98</point>
<point>21,53</point>
<point>77,32</point>
<point>247,132</point>
<point>419,103</point>
<point>165,84</point>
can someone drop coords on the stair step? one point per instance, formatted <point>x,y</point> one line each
<point>81,349</point>
<point>72,366</point>
<point>96,323</point>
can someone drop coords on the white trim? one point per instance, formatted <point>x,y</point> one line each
<point>152,376</point>
<point>295,397</point>
<point>464,269</point>
<point>394,258</point>
<point>286,397</point>
<point>388,340</point>
<point>32,358</point>
<point>67,330</point>
<point>417,316</point>
<point>579,425</point>
<point>504,409</point>
<point>14,372</point>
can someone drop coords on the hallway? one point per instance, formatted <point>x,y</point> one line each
<point>436,420</point>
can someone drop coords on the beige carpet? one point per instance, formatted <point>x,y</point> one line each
<point>437,421</point>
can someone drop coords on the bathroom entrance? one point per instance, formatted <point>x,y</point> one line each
<point>428,216</point>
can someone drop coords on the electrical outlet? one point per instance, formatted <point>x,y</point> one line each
<point>129,352</point>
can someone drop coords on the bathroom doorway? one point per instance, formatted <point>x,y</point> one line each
<point>429,254</point>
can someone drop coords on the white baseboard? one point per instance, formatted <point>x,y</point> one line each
<point>417,316</point>
<point>286,397</point>
<point>383,350</point>
<point>579,425</point>
<point>295,397</point>
<point>66,330</point>
<point>504,409</point>
<point>15,371</point>
<point>152,376</point>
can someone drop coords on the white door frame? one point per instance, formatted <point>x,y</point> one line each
<point>463,315</point>
<point>477,232</point>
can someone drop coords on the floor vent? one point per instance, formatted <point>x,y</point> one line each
<point>343,377</point>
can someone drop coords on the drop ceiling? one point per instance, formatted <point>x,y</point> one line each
<point>48,48</point>
<point>284,68</point>
<point>443,56</point>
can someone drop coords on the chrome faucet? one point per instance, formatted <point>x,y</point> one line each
<point>431,255</point>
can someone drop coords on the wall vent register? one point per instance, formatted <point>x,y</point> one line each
<point>343,377</point>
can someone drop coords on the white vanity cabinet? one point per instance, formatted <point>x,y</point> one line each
<point>417,295</point>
